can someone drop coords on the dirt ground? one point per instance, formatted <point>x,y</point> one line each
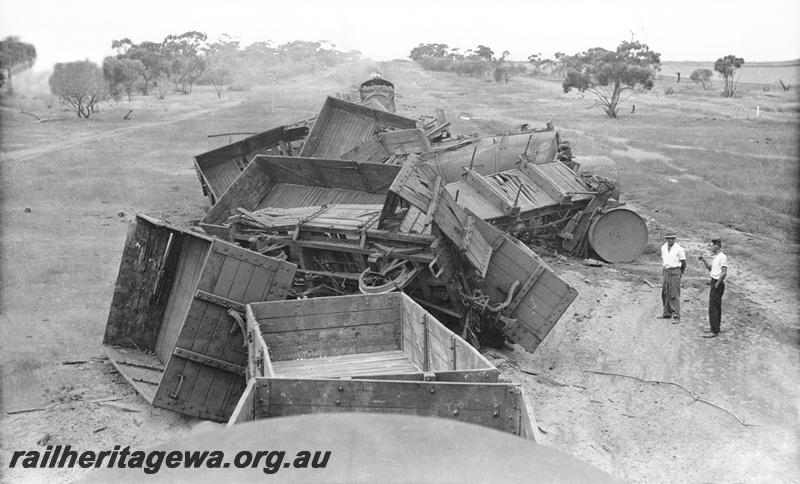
<point>639,397</point>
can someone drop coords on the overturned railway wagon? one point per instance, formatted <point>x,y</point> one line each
<point>174,329</point>
<point>334,220</point>
<point>218,168</point>
<point>336,262</point>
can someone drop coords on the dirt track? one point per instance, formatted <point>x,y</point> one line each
<point>726,409</point>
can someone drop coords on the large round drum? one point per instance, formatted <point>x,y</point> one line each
<point>618,235</point>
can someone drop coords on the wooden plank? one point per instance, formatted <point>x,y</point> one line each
<point>245,408</point>
<point>346,365</point>
<point>259,360</point>
<point>458,376</point>
<point>554,186</point>
<point>334,341</point>
<point>493,405</point>
<point>322,305</point>
<point>193,253</point>
<point>529,429</point>
<point>405,142</point>
<point>452,220</point>
<point>246,192</point>
<point>340,125</point>
<point>333,319</point>
<point>489,192</point>
<point>371,150</point>
<point>141,370</point>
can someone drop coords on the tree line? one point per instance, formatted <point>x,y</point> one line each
<point>477,62</point>
<point>610,75</point>
<point>174,65</point>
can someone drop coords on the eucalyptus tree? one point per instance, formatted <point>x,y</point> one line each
<point>609,73</point>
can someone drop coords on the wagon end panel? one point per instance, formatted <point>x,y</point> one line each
<point>329,326</point>
<point>148,270</point>
<point>246,191</point>
<point>540,297</point>
<point>493,405</point>
<point>205,374</point>
<point>434,348</point>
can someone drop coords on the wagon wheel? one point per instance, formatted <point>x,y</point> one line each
<point>394,276</point>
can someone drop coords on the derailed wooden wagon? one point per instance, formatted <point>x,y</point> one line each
<point>370,353</point>
<point>582,209</point>
<point>217,169</point>
<point>335,222</point>
<point>175,327</point>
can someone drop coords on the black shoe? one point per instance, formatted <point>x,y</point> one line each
<point>712,335</point>
<point>664,317</point>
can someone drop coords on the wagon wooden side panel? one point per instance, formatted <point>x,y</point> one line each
<point>219,168</point>
<point>380,147</point>
<point>341,126</point>
<point>495,405</point>
<point>276,181</point>
<point>205,373</point>
<point>540,297</point>
<point>173,330</point>
<point>160,266</point>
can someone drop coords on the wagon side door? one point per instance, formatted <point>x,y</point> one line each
<point>205,374</point>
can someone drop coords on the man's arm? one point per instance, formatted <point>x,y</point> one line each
<point>683,265</point>
<point>722,276</point>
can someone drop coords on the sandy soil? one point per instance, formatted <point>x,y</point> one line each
<point>644,399</point>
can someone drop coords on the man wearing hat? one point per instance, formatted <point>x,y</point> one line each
<point>719,270</point>
<point>674,261</point>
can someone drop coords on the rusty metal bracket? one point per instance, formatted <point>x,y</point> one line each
<point>208,361</point>
<point>220,301</point>
<point>525,288</point>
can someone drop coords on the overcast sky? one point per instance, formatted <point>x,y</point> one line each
<point>697,30</point>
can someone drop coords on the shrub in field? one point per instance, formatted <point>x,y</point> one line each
<point>703,76</point>
<point>727,67</point>
<point>239,86</point>
<point>669,91</point>
<point>472,68</point>
<point>80,85</point>
<point>504,72</point>
<point>439,64</point>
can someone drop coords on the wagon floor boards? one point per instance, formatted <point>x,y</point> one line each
<point>378,363</point>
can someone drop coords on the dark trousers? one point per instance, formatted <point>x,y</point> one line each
<point>671,292</point>
<point>715,305</point>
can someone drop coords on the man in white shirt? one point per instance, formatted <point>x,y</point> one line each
<point>719,271</point>
<point>674,263</point>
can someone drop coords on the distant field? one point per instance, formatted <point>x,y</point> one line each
<point>756,73</point>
